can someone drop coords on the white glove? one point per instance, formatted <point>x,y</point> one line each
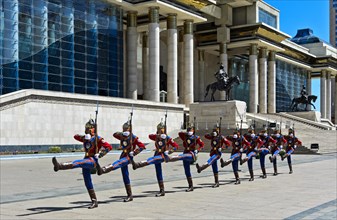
<point>241,150</point>
<point>87,137</point>
<point>255,148</point>
<point>166,152</point>
<point>131,154</point>
<point>96,156</point>
<point>280,146</point>
<point>219,149</point>
<point>269,147</point>
<point>196,151</point>
<point>295,146</point>
<point>163,136</point>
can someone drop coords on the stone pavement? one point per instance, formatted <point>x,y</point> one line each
<point>30,189</point>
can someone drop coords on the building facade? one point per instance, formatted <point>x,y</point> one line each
<point>333,22</point>
<point>144,49</point>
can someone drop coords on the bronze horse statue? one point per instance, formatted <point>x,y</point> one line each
<point>301,100</point>
<point>222,86</point>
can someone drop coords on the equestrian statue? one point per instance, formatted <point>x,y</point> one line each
<point>304,99</point>
<point>223,83</point>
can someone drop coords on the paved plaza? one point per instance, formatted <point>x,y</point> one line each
<point>30,189</point>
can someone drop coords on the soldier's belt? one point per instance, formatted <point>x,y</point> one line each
<point>214,148</point>
<point>159,150</point>
<point>188,148</point>
<point>125,151</point>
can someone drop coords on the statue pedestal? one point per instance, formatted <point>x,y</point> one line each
<point>310,115</point>
<point>208,114</point>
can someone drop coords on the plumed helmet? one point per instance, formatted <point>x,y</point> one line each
<point>290,130</point>
<point>126,125</point>
<point>160,126</point>
<point>251,129</point>
<point>190,127</point>
<point>90,124</point>
<point>222,67</point>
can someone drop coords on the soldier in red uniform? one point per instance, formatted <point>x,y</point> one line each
<point>95,147</point>
<point>130,146</point>
<point>164,146</point>
<point>276,148</point>
<point>238,141</point>
<point>264,149</point>
<point>251,150</point>
<point>292,143</point>
<point>218,142</point>
<point>190,140</point>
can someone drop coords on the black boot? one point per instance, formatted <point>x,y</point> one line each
<point>61,166</point>
<point>190,184</point>
<point>251,172</point>
<point>105,169</point>
<point>204,166</point>
<point>237,178</point>
<point>264,174</point>
<point>93,198</point>
<point>173,159</point>
<point>138,165</point>
<point>224,163</point>
<point>216,180</point>
<point>270,159</point>
<point>161,189</point>
<point>284,157</point>
<point>290,168</point>
<point>275,169</point>
<point>129,193</point>
<point>244,161</point>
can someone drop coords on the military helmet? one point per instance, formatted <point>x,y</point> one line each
<point>190,127</point>
<point>160,126</point>
<point>126,126</point>
<point>90,124</point>
<point>290,130</point>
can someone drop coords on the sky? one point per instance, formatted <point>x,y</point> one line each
<point>300,14</point>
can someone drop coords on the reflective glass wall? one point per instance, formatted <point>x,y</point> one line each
<point>289,82</point>
<point>71,46</point>
<point>239,67</point>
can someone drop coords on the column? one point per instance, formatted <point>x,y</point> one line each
<point>328,95</point>
<point>201,75</point>
<point>263,80</point>
<point>154,55</point>
<point>131,50</point>
<point>335,99</point>
<point>224,62</point>
<point>271,83</point>
<point>145,64</point>
<point>253,79</point>
<point>172,59</point>
<point>181,74</point>
<point>323,93</point>
<point>308,86</point>
<point>188,61</point>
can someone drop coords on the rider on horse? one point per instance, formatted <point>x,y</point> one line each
<point>221,75</point>
<point>304,94</point>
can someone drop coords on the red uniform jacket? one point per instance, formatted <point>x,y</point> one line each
<point>292,141</point>
<point>163,145</point>
<point>90,147</point>
<point>128,144</point>
<point>190,142</point>
<point>217,142</point>
<point>237,143</point>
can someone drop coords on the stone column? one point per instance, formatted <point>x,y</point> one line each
<point>309,87</point>
<point>188,62</point>
<point>328,95</point>
<point>181,74</point>
<point>131,51</point>
<point>172,59</point>
<point>323,93</point>
<point>271,83</point>
<point>224,62</point>
<point>145,64</point>
<point>263,80</point>
<point>253,79</point>
<point>201,75</point>
<point>154,53</point>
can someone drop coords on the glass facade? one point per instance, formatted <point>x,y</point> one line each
<point>289,82</point>
<point>267,18</point>
<point>71,46</point>
<point>240,67</point>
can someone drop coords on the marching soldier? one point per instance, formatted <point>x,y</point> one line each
<point>251,151</point>
<point>190,140</point>
<point>276,148</point>
<point>238,141</point>
<point>264,149</point>
<point>95,147</point>
<point>292,143</point>
<point>130,146</point>
<point>164,146</point>
<point>218,142</point>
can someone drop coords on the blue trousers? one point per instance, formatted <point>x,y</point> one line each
<point>187,159</point>
<point>157,160</point>
<point>86,164</point>
<point>289,152</point>
<point>250,157</point>
<point>235,161</point>
<point>123,164</point>
<point>213,160</point>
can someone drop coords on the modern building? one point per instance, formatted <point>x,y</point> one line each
<point>333,22</point>
<point>142,50</point>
